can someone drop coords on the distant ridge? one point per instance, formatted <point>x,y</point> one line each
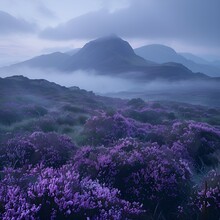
<point>162,54</point>
<point>112,56</point>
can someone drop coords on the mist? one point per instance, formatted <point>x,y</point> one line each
<point>194,92</point>
<point>88,80</point>
<point>205,93</point>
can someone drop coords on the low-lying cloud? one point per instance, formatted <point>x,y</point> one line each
<point>85,80</point>
<point>194,92</point>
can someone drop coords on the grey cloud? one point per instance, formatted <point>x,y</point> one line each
<point>89,25</point>
<point>186,21</point>
<point>46,12</point>
<point>11,25</point>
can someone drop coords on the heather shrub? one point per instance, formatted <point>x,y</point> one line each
<point>201,141</point>
<point>14,204</point>
<point>153,113</point>
<point>50,149</point>
<point>105,129</point>
<point>54,149</point>
<point>61,194</point>
<point>17,152</point>
<point>148,173</point>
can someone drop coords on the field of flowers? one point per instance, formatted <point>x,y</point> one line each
<point>108,159</point>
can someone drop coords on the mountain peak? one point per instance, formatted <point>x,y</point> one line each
<point>159,53</point>
<point>108,37</point>
<point>109,53</point>
<point>108,45</point>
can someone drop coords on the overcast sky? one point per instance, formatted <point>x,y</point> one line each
<point>29,28</point>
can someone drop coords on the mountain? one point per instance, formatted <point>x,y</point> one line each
<point>195,59</point>
<point>162,54</point>
<point>159,53</point>
<point>108,54</point>
<point>115,57</point>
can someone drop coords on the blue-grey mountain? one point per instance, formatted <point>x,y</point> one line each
<point>162,54</point>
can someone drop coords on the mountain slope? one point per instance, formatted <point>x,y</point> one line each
<point>159,53</point>
<point>162,54</point>
<point>54,60</point>
<point>22,90</point>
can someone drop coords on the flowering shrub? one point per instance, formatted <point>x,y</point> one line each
<point>50,149</point>
<point>61,194</point>
<point>147,173</point>
<point>17,152</point>
<point>150,115</point>
<point>106,129</point>
<point>201,141</point>
<point>14,204</point>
